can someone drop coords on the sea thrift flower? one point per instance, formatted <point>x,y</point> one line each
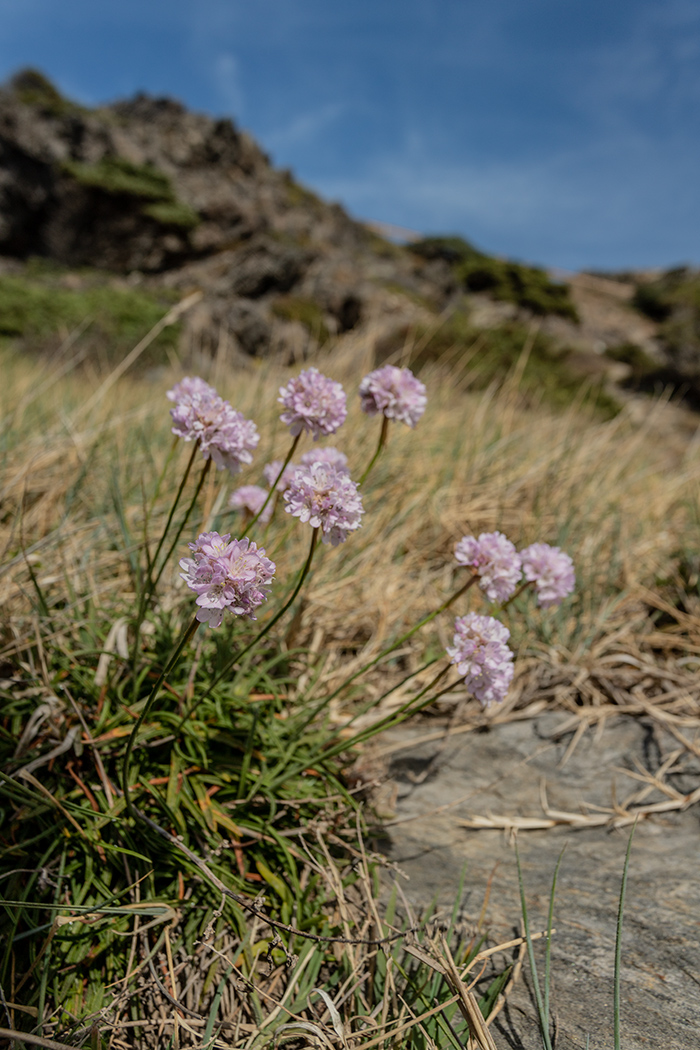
<point>189,388</point>
<point>224,434</point>
<point>314,403</point>
<point>551,571</point>
<point>480,652</point>
<point>226,574</point>
<point>330,455</point>
<point>327,498</point>
<point>395,393</point>
<point>251,499</point>
<point>496,561</point>
<point>271,470</point>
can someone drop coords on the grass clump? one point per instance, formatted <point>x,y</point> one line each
<point>38,307</point>
<point>478,358</point>
<point>529,287</point>
<point>120,177</point>
<point>306,312</point>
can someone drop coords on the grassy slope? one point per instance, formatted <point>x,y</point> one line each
<point>75,468</point>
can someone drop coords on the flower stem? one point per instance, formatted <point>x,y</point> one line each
<point>178,534</point>
<point>411,706</point>
<point>259,636</point>
<point>273,488</point>
<point>171,515</point>
<point>390,649</point>
<point>523,587</point>
<point>185,638</point>
<point>151,584</point>
<point>380,445</point>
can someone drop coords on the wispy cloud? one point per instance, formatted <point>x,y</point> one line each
<point>304,128</point>
<point>227,80</point>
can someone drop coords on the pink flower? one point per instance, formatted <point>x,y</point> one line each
<point>495,560</point>
<point>271,470</point>
<point>395,393</point>
<point>482,656</point>
<point>223,433</point>
<point>188,389</point>
<point>551,571</point>
<point>327,498</point>
<point>329,455</point>
<point>314,403</point>
<point>226,574</point>
<point>251,499</point>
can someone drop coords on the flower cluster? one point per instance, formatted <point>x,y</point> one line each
<point>480,652</point>
<point>395,393</point>
<point>552,572</point>
<point>271,473</point>
<point>251,499</point>
<point>201,415</point>
<point>495,560</point>
<point>327,498</point>
<point>314,403</point>
<point>329,455</point>
<point>226,574</point>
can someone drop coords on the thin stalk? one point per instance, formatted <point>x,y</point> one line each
<point>523,587</point>
<point>273,488</point>
<point>380,445</point>
<point>174,507</point>
<point>386,652</point>
<point>548,952</point>
<point>618,944</point>
<point>384,723</point>
<point>544,1022</point>
<point>186,636</point>
<point>178,534</point>
<point>259,636</point>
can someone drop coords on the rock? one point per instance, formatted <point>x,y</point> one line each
<point>501,771</point>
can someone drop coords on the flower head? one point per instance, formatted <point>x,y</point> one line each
<point>480,652</point>
<point>251,499</point>
<point>329,455</point>
<point>327,498</point>
<point>226,574</point>
<point>551,571</point>
<point>271,471</point>
<point>314,403</point>
<point>395,393</point>
<point>223,434</point>
<point>188,389</point>
<point>495,560</point>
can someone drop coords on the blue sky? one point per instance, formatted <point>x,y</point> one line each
<point>563,132</point>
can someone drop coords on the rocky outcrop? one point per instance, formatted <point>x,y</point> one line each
<point>145,188</point>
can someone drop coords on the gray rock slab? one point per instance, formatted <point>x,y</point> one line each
<point>438,783</point>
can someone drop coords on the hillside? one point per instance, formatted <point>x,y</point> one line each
<point>110,216</point>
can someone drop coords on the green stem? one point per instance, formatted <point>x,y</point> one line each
<point>186,636</point>
<point>387,652</point>
<point>411,706</point>
<point>273,488</point>
<point>174,507</point>
<point>523,587</point>
<point>181,527</point>
<point>618,944</point>
<point>380,445</point>
<point>150,585</point>
<point>259,636</point>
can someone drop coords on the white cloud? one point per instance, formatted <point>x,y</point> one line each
<point>304,128</point>
<point>227,80</point>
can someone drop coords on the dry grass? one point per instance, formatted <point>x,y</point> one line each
<point>621,497</point>
<point>81,456</point>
